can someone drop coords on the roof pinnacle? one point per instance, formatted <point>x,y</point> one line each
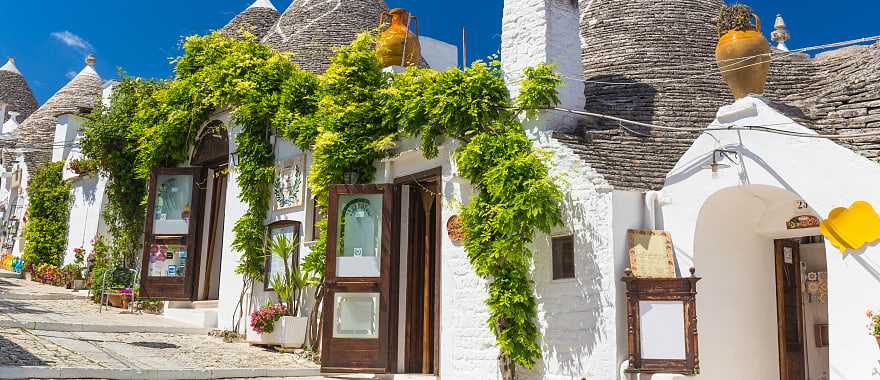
<point>90,60</point>
<point>781,34</point>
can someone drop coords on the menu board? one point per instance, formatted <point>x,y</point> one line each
<point>650,254</point>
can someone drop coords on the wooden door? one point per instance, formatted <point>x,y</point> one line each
<point>171,234</point>
<point>356,305</point>
<point>421,282</point>
<point>789,310</point>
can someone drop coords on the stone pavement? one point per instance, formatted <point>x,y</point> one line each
<point>69,351</point>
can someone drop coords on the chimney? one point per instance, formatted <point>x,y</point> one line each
<point>545,31</point>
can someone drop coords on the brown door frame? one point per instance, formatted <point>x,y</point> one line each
<point>779,259</point>
<point>350,355</point>
<point>432,175</point>
<point>218,198</point>
<point>174,288</point>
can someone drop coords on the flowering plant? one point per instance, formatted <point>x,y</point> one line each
<point>124,291</point>
<point>263,319</point>
<point>50,274</point>
<point>874,323</point>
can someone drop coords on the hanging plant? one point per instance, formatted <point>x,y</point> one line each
<point>735,17</point>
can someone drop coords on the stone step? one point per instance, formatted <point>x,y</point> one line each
<point>198,317</point>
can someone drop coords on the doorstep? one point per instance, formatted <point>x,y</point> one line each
<point>199,315</point>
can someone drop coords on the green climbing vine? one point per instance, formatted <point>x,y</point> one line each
<point>352,116</point>
<point>45,234</point>
<point>112,140</point>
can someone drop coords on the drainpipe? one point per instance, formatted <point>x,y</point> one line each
<point>651,209</point>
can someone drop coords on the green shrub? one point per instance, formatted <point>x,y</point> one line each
<point>45,234</point>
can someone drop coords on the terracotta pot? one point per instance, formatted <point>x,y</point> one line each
<point>115,300</point>
<point>744,75</point>
<point>125,303</point>
<point>398,40</point>
<point>878,341</point>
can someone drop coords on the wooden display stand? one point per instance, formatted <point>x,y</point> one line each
<point>662,298</point>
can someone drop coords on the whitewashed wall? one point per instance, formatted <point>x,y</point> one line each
<point>818,171</point>
<point>231,282</point>
<point>544,31</point>
<point>85,218</point>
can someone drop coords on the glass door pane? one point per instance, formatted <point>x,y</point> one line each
<point>359,235</point>
<point>168,258</point>
<point>174,195</point>
<point>356,316</point>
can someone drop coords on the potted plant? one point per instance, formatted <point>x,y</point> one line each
<point>743,54</point>
<point>874,325</point>
<point>279,324</point>
<point>28,272</point>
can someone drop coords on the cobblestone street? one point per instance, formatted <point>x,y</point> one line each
<point>23,301</point>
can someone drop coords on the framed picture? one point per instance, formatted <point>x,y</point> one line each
<point>273,264</point>
<point>288,189</point>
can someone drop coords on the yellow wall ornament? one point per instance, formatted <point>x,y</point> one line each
<point>853,227</point>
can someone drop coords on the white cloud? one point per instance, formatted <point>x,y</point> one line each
<point>74,41</point>
<point>70,74</point>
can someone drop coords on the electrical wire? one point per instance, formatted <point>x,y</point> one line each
<point>756,128</point>
<point>773,57</point>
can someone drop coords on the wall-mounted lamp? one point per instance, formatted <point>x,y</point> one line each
<point>350,177</point>
<point>720,155</point>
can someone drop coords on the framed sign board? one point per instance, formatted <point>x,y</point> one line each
<point>650,254</point>
<point>662,324</point>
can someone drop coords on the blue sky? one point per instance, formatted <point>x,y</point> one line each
<point>51,38</point>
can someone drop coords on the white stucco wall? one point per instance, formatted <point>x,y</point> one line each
<point>544,31</point>
<point>231,282</point>
<point>578,318</point>
<point>818,171</point>
<point>83,225</point>
<point>439,55</point>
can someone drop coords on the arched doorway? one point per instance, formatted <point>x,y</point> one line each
<point>212,154</point>
<point>758,249</point>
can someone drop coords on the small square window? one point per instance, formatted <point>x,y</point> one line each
<point>563,257</point>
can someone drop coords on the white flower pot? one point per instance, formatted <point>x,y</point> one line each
<point>289,332</point>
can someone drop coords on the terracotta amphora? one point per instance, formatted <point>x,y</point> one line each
<point>398,40</point>
<point>744,59</point>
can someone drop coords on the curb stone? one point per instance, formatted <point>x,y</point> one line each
<point>152,374</point>
<point>79,327</point>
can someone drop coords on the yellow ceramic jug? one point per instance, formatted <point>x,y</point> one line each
<point>744,59</point>
<point>398,42</point>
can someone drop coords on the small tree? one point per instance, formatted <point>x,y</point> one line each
<point>288,285</point>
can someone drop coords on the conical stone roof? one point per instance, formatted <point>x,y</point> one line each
<point>257,19</point>
<point>15,92</point>
<point>653,62</point>
<point>311,29</point>
<point>78,96</point>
